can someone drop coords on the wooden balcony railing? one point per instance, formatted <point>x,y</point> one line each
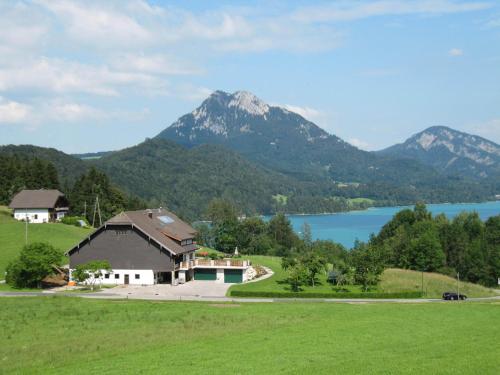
<point>215,263</point>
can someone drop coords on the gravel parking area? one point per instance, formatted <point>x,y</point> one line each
<point>192,289</point>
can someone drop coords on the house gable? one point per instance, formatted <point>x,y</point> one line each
<point>124,247</point>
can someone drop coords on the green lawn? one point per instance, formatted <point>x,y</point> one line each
<point>54,335</point>
<point>392,281</point>
<point>12,236</point>
<point>276,282</point>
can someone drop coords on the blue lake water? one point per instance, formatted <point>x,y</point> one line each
<point>346,227</point>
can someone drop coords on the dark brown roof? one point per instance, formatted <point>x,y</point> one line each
<point>164,227</point>
<point>36,199</point>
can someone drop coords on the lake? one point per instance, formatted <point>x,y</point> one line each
<point>346,227</point>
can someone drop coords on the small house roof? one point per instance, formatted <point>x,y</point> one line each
<point>36,199</point>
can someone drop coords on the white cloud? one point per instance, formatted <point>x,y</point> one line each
<point>355,10</point>
<point>308,113</point>
<point>155,64</point>
<point>455,52</point>
<point>359,143</point>
<point>61,76</point>
<point>12,112</point>
<point>98,23</point>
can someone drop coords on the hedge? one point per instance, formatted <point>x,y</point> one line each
<point>269,294</point>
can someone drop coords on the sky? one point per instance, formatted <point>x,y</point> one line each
<point>103,75</point>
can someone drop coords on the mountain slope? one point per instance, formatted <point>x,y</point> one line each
<point>286,142</point>
<point>68,167</point>
<point>186,180</point>
<point>451,152</point>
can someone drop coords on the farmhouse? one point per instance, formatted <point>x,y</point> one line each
<point>152,247</point>
<point>39,206</point>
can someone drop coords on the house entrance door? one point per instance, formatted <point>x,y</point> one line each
<point>127,279</point>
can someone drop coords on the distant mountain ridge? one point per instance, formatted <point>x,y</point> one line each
<point>288,143</point>
<point>264,158</point>
<point>451,151</point>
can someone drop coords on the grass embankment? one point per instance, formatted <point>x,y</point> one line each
<point>12,236</point>
<point>393,281</point>
<point>76,336</point>
<point>396,280</point>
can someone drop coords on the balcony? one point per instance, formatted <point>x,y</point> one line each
<point>214,263</point>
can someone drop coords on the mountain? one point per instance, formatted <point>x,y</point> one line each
<point>450,151</point>
<point>68,167</point>
<point>186,179</point>
<point>286,142</point>
<point>271,136</point>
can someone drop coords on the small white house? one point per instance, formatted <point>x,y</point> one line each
<point>39,206</point>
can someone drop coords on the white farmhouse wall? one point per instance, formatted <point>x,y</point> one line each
<point>35,215</point>
<point>117,277</point>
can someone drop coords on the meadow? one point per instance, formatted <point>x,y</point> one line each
<point>53,335</point>
<point>392,281</point>
<point>12,236</point>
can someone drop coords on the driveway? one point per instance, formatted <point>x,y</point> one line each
<point>192,290</point>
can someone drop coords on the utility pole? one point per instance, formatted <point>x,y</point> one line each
<point>422,292</point>
<point>26,226</point>
<point>85,210</point>
<point>458,286</point>
<point>97,209</point>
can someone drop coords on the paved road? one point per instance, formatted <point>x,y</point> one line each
<point>142,296</point>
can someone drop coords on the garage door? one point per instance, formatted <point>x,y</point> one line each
<point>233,276</point>
<point>205,274</point>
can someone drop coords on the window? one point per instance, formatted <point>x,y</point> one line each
<point>137,276</point>
<point>106,276</point>
<point>117,275</point>
<point>36,216</point>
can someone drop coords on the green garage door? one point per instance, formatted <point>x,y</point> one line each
<point>205,274</point>
<point>233,276</point>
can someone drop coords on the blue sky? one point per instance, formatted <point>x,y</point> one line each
<point>89,76</point>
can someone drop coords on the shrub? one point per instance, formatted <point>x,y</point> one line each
<point>35,262</point>
<point>74,220</point>
<point>271,294</point>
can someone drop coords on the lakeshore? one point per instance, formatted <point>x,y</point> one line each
<point>347,227</point>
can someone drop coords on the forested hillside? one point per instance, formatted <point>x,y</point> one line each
<point>416,240</point>
<point>18,173</point>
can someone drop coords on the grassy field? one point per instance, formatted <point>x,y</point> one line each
<point>396,280</point>
<point>393,280</point>
<point>12,236</point>
<point>276,282</point>
<point>54,335</point>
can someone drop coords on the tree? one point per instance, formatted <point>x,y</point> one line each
<point>96,184</point>
<point>368,264</point>
<point>297,276</point>
<point>225,225</point>
<point>314,264</point>
<point>307,235</point>
<point>220,211</point>
<point>281,231</point>
<point>35,262</point>
<point>89,273</point>
<point>492,249</point>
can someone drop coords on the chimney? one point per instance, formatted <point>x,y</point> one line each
<point>150,214</point>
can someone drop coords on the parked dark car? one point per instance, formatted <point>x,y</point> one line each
<point>452,296</point>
